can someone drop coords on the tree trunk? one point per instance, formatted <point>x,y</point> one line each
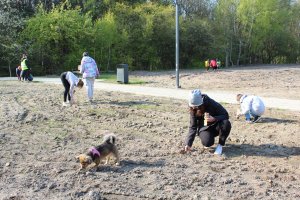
<point>226,58</point>
<point>108,60</point>
<point>239,54</point>
<point>9,69</point>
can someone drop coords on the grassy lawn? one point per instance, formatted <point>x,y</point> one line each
<point>112,78</point>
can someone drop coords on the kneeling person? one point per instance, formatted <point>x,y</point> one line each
<point>217,121</point>
<point>252,107</point>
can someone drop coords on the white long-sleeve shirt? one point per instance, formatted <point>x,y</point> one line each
<point>73,81</point>
<point>252,103</point>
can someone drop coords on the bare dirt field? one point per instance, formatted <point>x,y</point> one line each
<point>280,81</point>
<point>40,139</point>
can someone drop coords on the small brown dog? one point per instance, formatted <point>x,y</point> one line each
<point>101,152</point>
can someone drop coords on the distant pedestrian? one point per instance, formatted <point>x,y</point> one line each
<point>89,70</point>
<point>218,63</point>
<point>252,107</point>
<point>25,68</point>
<point>206,64</point>
<point>213,64</point>
<point>208,119</point>
<point>18,72</point>
<point>70,81</point>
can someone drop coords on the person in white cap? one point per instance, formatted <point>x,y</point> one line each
<point>252,107</point>
<point>217,119</point>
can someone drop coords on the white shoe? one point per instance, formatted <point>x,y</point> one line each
<point>65,104</point>
<point>218,150</point>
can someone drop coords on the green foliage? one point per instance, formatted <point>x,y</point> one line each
<point>57,37</point>
<point>269,29</point>
<point>11,22</point>
<point>112,78</point>
<point>195,42</point>
<point>142,33</point>
<point>109,40</point>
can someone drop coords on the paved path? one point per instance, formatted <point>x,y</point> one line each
<point>226,97</point>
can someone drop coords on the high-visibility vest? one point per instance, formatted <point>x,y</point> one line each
<point>206,63</point>
<point>23,64</point>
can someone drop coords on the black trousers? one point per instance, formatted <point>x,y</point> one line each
<point>25,74</point>
<point>221,129</point>
<point>66,85</point>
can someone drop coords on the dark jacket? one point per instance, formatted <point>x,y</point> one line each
<point>197,123</point>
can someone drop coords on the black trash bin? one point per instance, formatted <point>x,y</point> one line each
<point>122,73</point>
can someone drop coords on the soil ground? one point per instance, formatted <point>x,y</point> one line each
<point>40,139</point>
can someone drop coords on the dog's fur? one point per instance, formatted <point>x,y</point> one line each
<point>106,149</point>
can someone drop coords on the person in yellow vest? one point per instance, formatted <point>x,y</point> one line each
<point>206,64</point>
<point>25,69</point>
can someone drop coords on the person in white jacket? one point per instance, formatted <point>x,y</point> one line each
<point>89,71</point>
<point>252,107</point>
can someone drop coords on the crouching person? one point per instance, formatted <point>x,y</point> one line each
<point>252,107</point>
<point>208,119</point>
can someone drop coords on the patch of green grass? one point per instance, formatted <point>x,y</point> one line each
<point>112,78</point>
<point>109,77</point>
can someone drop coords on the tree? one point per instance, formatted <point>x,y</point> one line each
<point>58,38</point>
<point>107,38</point>
<point>226,30</point>
<point>195,40</point>
<point>11,22</point>
<point>270,37</point>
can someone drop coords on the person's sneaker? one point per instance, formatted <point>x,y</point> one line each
<point>65,104</point>
<point>218,150</point>
<point>256,119</point>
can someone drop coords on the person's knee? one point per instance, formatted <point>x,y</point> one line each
<point>207,139</point>
<point>207,143</point>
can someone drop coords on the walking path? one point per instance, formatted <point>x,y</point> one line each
<point>225,97</point>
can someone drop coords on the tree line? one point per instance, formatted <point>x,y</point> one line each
<point>54,33</point>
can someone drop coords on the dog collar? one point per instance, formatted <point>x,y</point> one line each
<point>94,151</point>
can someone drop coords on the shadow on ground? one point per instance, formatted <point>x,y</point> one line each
<point>275,120</point>
<point>129,165</point>
<point>267,150</point>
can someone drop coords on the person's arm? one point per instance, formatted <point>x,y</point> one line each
<point>217,111</point>
<point>221,117</point>
<point>192,131</point>
<point>245,107</point>
<point>81,67</point>
<point>71,92</point>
